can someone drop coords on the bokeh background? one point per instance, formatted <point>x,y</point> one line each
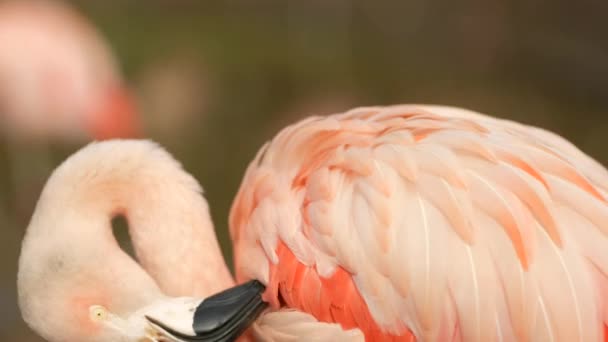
<point>214,80</point>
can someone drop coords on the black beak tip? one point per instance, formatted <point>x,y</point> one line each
<point>231,309</point>
<point>224,316</point>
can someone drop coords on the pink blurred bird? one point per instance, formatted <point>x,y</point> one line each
<point>58,77</point>
<point>401,223</point>
<point>59,82</point>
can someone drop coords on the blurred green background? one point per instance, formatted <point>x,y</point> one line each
<point>217,79</point>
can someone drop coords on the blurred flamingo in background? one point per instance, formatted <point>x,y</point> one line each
<point>429,223</point>
<point>58,77</point>
<point>76,284</point>
<point>58,82</point>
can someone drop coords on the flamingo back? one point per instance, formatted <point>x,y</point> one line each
<point>428,223</point>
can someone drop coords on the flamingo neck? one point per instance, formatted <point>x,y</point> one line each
<point>169,222</point>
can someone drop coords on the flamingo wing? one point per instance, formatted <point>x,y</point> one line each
<point>430,223</point>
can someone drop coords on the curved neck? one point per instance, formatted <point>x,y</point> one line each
<point>169,220</point>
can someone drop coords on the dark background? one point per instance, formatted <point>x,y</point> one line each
<point>217,79</point>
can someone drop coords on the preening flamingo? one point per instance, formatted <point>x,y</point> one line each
<point>76,284</point>
<point>429,223</point>
<point>404,222</point>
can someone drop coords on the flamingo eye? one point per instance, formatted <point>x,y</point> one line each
<point>98,313</point>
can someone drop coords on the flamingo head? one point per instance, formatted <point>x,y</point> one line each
<point>63,298</point>
<point>67,299</point>
<point>85,288</point>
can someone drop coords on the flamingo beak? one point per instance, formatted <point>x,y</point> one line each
<point>116,116</point>
<point>221,317</point>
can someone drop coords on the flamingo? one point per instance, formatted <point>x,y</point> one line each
<point>75,283</point>
<point>58,77</point>
<point>59,82</point>
<point>410,222</point>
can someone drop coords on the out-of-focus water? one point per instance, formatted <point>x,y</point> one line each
<point>215,80</point>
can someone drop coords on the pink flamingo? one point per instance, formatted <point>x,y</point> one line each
<point>58,77</point>
<point>75,283</point>
<point>59,82</point>
<point>395,223</point>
